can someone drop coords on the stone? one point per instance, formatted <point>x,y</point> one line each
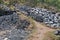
<point>57,32</point>
<point>5,38</point>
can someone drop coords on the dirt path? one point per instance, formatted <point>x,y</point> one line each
<point>40,31</point>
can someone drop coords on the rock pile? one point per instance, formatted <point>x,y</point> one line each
<point>8,21</point>
<point>16,34</point>
<point>51,19</point>
<point>15,25</point>
<point>12,27</point>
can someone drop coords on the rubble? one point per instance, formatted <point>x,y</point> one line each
<point>14,26</point>
<point>45,16</point>
<point>50,18</point>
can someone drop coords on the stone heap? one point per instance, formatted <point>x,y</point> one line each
<point>15,25</point>
<point>8,21</point>
<point>12,27</point>
<point>50,18</point>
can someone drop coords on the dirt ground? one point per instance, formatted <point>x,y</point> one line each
<point>39,32</point>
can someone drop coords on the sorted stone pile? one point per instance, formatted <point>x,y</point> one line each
<point>15,34</point>
<point>51,19</point>
<point>12,27</point>
<point>8,21</point>
<point>15,25</point>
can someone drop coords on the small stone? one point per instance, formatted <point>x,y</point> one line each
<point>5,38</point>
<point>57,32</point>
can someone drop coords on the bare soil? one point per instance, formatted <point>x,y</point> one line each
<point>39,32</point>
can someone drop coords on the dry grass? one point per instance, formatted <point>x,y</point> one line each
<point>51,36</point>
<point>39,32</point>
<point>46,6</point>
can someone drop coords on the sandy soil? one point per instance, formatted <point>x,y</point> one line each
<point>39,32</point>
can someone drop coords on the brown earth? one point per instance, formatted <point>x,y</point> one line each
<point>39,32</point>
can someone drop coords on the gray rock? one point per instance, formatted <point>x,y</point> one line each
<point>57,32</point>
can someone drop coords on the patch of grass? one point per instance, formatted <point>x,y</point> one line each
<point>51,36</point>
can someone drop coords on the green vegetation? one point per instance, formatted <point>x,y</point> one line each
<point>51,36</point>
<point>1,1</point>
<point>53,3</point>
<point>34,3</point>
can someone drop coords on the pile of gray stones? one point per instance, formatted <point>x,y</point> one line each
<point>12,27</point>
<point>51,19</point>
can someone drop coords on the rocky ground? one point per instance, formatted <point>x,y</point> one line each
<point>50,18</point>
<point>16,26</point>
<point>13,26</point>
